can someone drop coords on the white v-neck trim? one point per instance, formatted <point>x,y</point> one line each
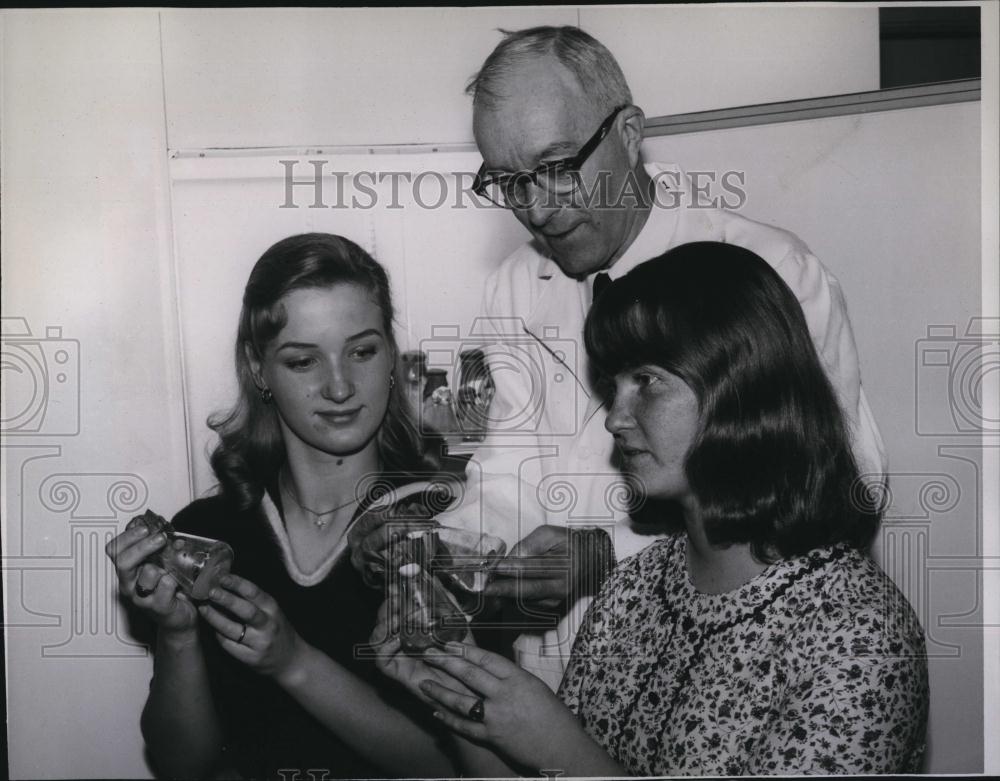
<point>387,499</point>
<point>281,535</point>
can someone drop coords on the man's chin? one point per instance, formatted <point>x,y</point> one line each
<point>575,265</point>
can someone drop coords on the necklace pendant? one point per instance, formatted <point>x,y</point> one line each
<point>320,519</point>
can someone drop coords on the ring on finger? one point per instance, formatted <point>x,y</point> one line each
<point>478,710</point>
<point>142,592</point>
<point>242,634</point>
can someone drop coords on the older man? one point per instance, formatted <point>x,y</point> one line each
<point>560,140</point>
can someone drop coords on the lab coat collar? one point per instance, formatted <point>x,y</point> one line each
<point>564,301</point>
<point>656,234</point>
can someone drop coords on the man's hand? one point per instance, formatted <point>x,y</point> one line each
<point>553,565</point>
<point>372,535</point>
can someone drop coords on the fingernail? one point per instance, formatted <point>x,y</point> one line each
<point>161,537</point>
<point>141,529</point>
<point>424,685</point>
<point>437,714</point>
<point>451,645</point>
<point>214,594</point>
<point>225,580</point>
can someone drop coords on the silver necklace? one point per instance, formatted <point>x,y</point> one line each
<point>319,518</point>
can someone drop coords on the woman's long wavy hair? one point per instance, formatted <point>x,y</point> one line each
<point>772,463</point>
<point>250,450</point>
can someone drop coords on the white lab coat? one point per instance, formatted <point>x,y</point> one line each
<point>547,458</point>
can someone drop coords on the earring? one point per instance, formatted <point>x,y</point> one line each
<point>392,381</point>
<point>266,396</point>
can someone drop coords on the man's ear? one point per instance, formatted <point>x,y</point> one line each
<point>633,126</point>
<point>254,362</point>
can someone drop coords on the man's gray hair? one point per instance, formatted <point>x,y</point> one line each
<point>584,56</point>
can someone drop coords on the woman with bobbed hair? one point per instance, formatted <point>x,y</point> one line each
<point>270,684</point>
<point>759,637</point>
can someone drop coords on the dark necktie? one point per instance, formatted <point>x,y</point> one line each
<point>601,281</point>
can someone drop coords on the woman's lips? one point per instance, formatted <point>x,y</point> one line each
<point>632,452</point>
<point>340,416</point>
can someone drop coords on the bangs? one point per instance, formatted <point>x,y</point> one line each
<point>629,326</point>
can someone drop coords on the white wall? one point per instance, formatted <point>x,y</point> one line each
<point>86,249</point>
<point>279,77</point>
<point>259,77</point>
<point>689,58</point>
<point>89,111</point>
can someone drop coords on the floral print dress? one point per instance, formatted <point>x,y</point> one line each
<point>817,665</point>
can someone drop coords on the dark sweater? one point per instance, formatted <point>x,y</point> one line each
<point>266,731</point>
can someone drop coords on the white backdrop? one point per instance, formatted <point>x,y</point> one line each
<point>95,240</point>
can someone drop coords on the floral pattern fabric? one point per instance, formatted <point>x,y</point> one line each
<point>817,665</point>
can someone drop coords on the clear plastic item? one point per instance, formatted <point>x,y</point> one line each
<point>465,559</point>
<point>428,614</point>
<point>403,509</point>
<point>197,563</point>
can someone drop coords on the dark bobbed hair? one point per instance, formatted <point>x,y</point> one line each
<point>771,464</point>
<point>251,450</point>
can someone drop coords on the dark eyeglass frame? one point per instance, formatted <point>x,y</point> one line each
<point>570,164</point>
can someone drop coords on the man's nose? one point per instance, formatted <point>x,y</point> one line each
<point>339,386</point>
<point>537,205</point>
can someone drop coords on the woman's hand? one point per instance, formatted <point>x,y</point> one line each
<point>150,588</point>
<point>403,668</point>
<point>505,707</point>
<point>253,629</point>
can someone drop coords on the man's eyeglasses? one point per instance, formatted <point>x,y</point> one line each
<point>559,178</point>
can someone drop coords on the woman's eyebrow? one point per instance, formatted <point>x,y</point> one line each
<point>313,346</point>
<point>363,334</point>
<point>296,346</point>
